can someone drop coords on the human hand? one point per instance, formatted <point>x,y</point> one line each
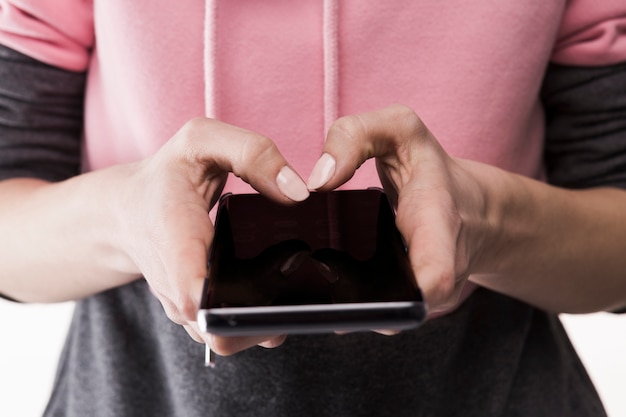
<point>163,213</point>
<point>440,206</point>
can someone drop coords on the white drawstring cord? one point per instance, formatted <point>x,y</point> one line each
<point>331,60</point>
<point>210,35</point>
<point>331,63</point>
<point>210,101</point>
<point>331,73</point>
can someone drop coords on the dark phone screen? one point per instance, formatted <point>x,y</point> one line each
<point>335,247</point>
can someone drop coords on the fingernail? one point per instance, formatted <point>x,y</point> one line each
<point>291,185</point>
<point>294,262</point>
<point>327,272</point>
<point>322,171</point>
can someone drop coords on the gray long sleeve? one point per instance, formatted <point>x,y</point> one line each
<point>41,118</point>
<point>586,126</point>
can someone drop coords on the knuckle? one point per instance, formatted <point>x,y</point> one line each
<point>193,334</point>
<point>185,145</point>
<point>404,220</point>
<point>438,286</point>
<point>186,308</point>
<point>257,156</point>
<point>447,292</point>
<point>195,125</point>
<point>273,342</point>
<point>347,128</point>
<point>447,284</point>
<point>172,312</point>
<point>402,110</point>
<point>222,346</point>
<point>179,309</point>
<point>257,149</point>
<point>407,122</point>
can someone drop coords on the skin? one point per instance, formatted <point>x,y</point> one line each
<point>558,249</point>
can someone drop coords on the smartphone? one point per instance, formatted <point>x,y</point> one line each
<point>334,262</point>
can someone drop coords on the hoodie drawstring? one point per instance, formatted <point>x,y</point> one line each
<point>330,60</point>
<point>210,44</point>
<point>331,63</point>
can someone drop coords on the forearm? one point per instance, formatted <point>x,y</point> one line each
<point>52,236</point>
<point>564,250</point>
<point>58,240</point>
<point>559,249</point>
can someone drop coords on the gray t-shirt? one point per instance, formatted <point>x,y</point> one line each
<point>494,356</point>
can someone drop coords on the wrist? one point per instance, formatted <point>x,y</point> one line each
<point>500,223</point>
<point>98,202</point>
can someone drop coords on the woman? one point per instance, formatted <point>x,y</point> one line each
<point>460,158</point>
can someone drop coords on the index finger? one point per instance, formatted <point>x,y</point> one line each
<point>414,170</point>
<point>209,148</point>
<point>193,164</point>
<point>393,135</point>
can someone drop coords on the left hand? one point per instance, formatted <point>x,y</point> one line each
<point>440,205</point>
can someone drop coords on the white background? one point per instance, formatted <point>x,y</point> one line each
<point>31,338</point>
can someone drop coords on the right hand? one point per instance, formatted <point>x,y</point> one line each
<point>164,228</point>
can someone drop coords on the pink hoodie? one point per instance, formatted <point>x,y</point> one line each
<point>471,70</point>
